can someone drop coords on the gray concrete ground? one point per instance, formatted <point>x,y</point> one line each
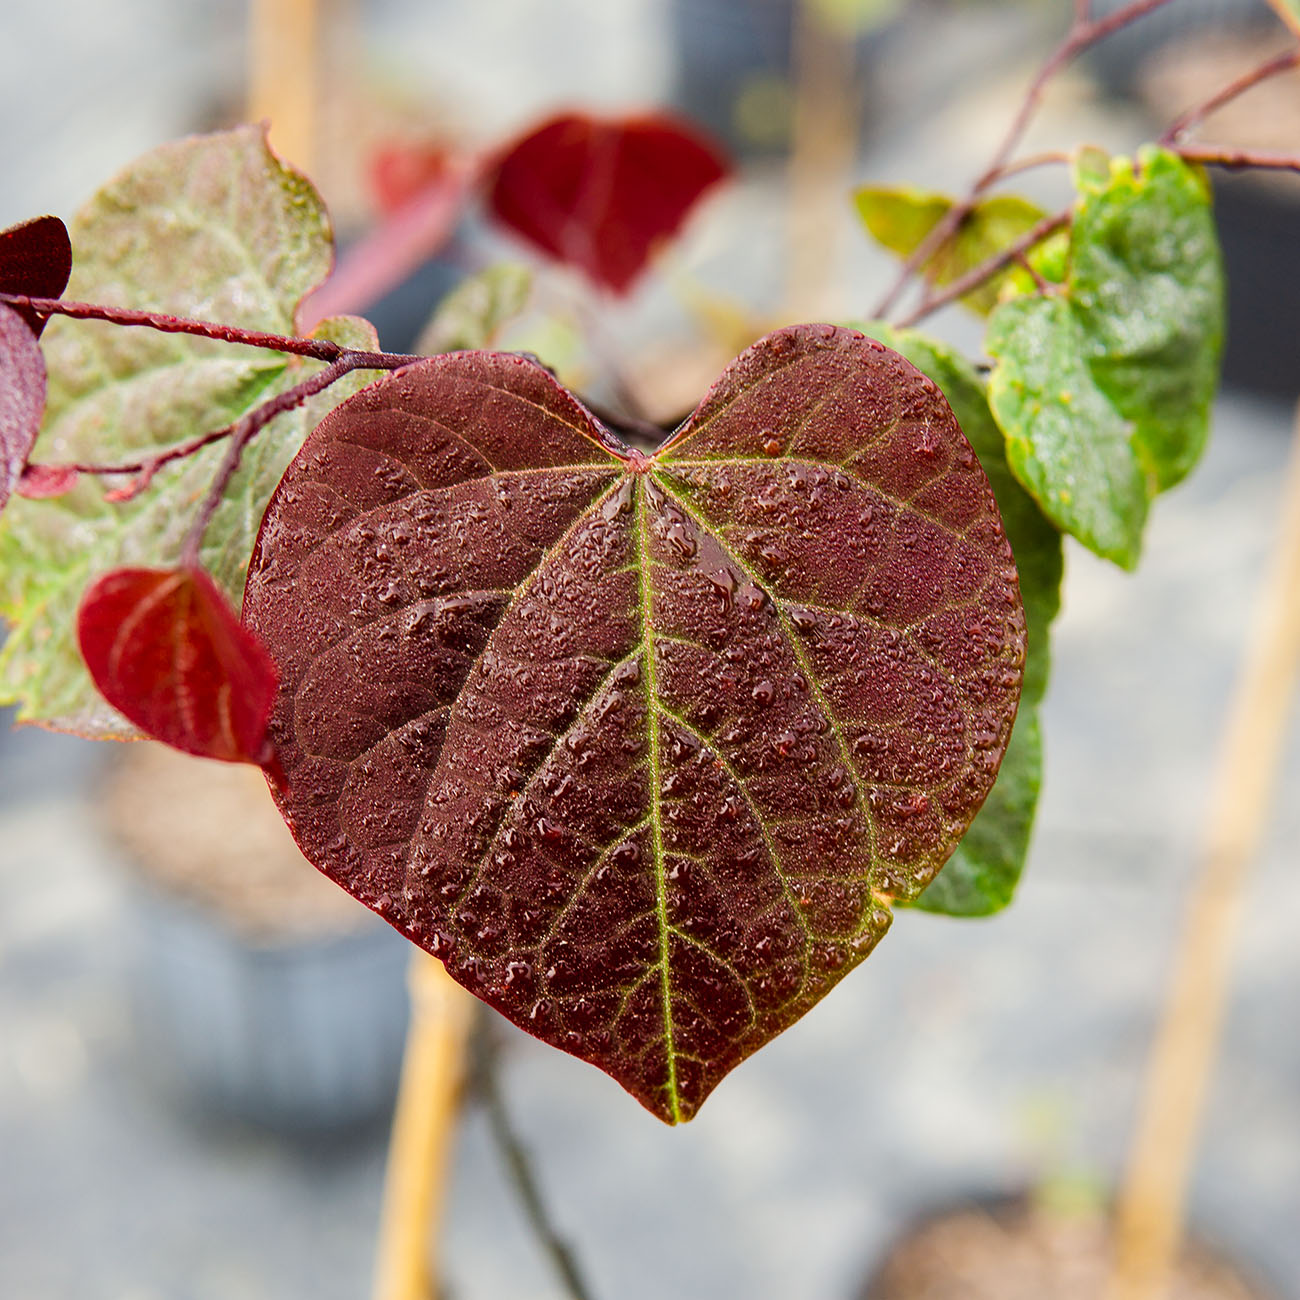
<point>963,1058</point>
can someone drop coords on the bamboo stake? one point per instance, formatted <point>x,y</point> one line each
<point>420,1146</point>
<point>284,42</point>
<point>823,143</point>
<point>1152,1203</point>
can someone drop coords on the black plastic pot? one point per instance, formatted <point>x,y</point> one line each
<point>301,1035</point>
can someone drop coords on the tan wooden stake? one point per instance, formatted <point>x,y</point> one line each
<point>1152,1203</point>
<point>823,142</point>
<point>406,1258</point>
<point>284,46</point>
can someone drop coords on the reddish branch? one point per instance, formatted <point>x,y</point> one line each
<point>244,430</point>
<point>318,349</point>
<point>1033,160</point>
<point>987,269</point>
<point>340,361</point>
<point>1084,31</point>
<point>1223,156</point>
<point>1280,63</point>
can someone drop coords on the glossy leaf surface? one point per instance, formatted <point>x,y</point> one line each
<point>643,748</point>
<point>601,194</point>
<point>1104,392</point>
<point>900,218</point>
<point>22,398</point>
<point>214,227</point>
<point>168,652</point>
<point>35,260</point>
<point>986,866</point>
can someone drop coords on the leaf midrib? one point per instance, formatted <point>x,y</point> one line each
<point>646,611</point>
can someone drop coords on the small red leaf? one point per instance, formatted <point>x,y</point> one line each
<point>22,397</point>
<point>41,481</point>
<point>166,650</point>
<point>600,194</point>
<point>35,260</point>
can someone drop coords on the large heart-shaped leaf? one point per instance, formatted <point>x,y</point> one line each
<point>645,748</point>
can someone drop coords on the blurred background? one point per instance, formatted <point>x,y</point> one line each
<point>199,1038</point>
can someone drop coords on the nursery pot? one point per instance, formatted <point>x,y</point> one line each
<point>1000,1247</point>
<point>261,991</point>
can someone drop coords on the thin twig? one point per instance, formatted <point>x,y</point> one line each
<point>979,274</point>
<point>242,432</point>
<point>317,349</point>
<point>1084,31</point>
<point>1030,161</point>
<point>519,1166</point>
<point>1041,282</point>
<point>1223,156</point>
<point>1280,63</point>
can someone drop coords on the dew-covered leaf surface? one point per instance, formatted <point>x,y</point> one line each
<point>22,398</point>
<point>599,194</point>
<point>1104,392</point>
<point>982,874</point>
<point>213,227</point>
<point>35,260</point>
<point>168,652</point>
<point>644,749</point>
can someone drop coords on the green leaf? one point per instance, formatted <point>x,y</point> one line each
<point>981,876</point>
<point>1104,392</point>
<point>214,227</point>
<point>983,871</point>
<point>900,218</point>
<point>1065,441</point>
<point>1147,285</point>
<point>473,314</point>
<point>1051,259</point>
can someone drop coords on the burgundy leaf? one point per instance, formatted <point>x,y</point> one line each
<point>166,650</point>
<point>35,260</point>
<point>41,481</point>
<point>22,398</point>
<point>601,194</point>
<point>644,748</point>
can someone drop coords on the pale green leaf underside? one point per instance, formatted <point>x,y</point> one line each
<point>212,227</point>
